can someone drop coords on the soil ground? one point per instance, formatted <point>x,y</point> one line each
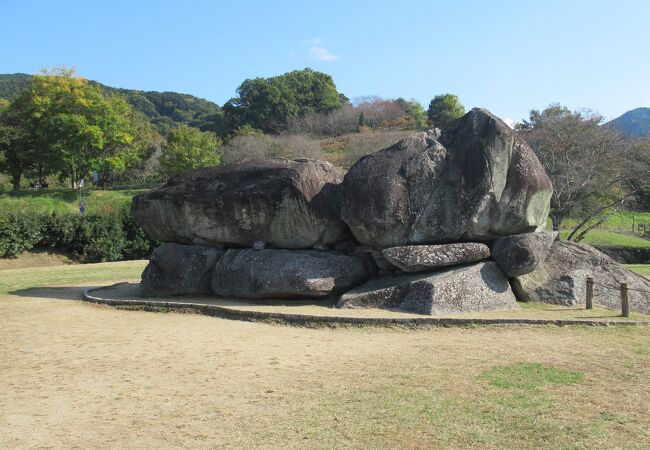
<point>79,375</point>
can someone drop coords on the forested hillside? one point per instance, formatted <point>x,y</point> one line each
<point>634,123</point>
<point>12,83</point>
<point>163,109</point>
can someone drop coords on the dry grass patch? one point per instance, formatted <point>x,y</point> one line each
<point>36,258</point>
<point>80,375</point>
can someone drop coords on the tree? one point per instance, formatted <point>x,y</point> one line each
<point>68,126</point>
<point>15,154</point>
<point>19,147</point>
<point>444,109</point>
<point>587,163</point>
<point>189,148</point>
<point>414,111</point>
<point>379,112</point>
<point>71,118</point>
<point>128,135</point>
<point>269,103</point>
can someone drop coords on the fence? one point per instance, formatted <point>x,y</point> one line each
<point>625,298</point>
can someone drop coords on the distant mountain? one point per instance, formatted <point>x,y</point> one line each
<point>164,109</point>
<point>12,83</point>
<point>635,123</point>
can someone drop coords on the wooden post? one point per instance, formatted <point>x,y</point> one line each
<point>625,301</point>
<point>589,301</point>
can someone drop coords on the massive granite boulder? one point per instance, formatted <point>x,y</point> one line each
<point>286,273</point>
<point>287,204</point>
<point>421,258</point>
<point>561,279</point>
<point>522,253</point>
<point>478,181</point>
<point>176,269</point>
<point>479,287</point>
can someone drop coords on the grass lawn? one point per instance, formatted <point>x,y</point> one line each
<point>69,275</point>
<point>643,269</point>
<point>64,201</point>
<point>81,375</point>
<point>605,238</point>
<point>619,221</point>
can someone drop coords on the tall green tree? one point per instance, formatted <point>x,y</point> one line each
<point>129,136</point>
<point>71,115</point>
<point>444,109</point>
<point>269,103</point>
<point>189,148</point>
<point>20,147</point>
<point>414,111</point>
<point>64,124</point>
<point>16,155</point>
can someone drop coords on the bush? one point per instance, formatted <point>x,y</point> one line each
<point>137,244</point>
<point>100,238</point>
<point>91,237</point>
<point>290,146</point>
<point>19,232</point>
<point>59,231</point>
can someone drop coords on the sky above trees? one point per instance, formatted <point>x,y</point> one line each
<point>507,56</point>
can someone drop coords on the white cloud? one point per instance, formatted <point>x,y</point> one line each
<point>510,122</point>
<point>322,54</point>
<point>314,41</point>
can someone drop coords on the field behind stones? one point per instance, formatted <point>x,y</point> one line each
<point>80,375</point>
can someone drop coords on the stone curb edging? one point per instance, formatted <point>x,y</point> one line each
<point>308,320</point>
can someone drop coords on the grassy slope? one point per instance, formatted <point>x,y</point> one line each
<point>619,221</point>
<point>66,200</point>
<point>643,269</point>
<point>617,231</point>
<point>14,279</point>
<point>603,238</point>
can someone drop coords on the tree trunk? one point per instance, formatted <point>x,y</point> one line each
<point>15,181</point>
<point>73,178</point>
<point>556,220</point>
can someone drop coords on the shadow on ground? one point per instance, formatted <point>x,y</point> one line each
<point>55,293</point>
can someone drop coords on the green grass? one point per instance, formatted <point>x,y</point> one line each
<point>602,238</point>
<point>16,279</point>
<point>529,376</point>
<point>63,201</point>
<point>620,221</point>
<point>643,269</point>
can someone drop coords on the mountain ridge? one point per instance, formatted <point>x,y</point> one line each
<point>164,110</point>
<point>633,123</point>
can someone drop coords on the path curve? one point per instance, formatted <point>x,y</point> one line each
<point>309,320</point>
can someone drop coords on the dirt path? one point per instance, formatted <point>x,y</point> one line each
<point>80,375</point>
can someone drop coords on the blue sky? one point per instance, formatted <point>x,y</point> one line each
<point>507,56</point>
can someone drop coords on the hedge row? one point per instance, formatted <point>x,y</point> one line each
<point>89,237</point>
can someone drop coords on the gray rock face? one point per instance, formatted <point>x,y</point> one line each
<point>420,258</point>
<point>176,269</point>
<point>478,181</point>
<point>286,273</point>
<point>287,204</point>
<point>521,254</point>
<point>561,279</point>
<point>480,287</point>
